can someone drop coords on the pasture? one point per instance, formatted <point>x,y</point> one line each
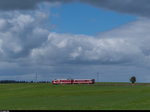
<point>100,96</point>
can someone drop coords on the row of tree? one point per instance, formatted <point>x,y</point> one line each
<point>132,80</point>
<point>14,81</point>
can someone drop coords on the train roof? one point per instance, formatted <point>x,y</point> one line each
<point>82,79</point>
<point>63,79</point>
<point>74,79</point>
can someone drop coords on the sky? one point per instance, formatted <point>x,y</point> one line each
<point>75,39</point>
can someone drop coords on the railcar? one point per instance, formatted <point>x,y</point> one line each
<point>83,81</point>
<point>62,81</point>
<point>73,81</point>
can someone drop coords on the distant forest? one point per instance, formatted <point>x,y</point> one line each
<point>14,81</point>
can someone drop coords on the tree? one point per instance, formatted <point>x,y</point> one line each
<point>133,79</point>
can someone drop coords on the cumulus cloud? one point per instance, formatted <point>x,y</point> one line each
<point>19,34</point>
<point>119,46</point>
<point>25,39</point>
<point>26,44</point>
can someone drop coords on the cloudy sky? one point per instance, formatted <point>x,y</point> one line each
<point>75,39</point>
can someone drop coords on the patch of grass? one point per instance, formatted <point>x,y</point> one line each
<point>74,97</point>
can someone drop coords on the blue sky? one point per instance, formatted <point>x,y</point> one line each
<point>79,18</point>
<point>75,39</point>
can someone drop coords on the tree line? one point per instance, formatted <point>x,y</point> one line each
<point>14,81</point>
<point>132,80</point>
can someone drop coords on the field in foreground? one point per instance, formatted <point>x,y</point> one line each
<point>101,96</point>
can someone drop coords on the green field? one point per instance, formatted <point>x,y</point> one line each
<point>74,97</point>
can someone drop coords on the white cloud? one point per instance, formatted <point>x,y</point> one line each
<point>25,41</point>
<point>125,45</point>
<point>33,43</point>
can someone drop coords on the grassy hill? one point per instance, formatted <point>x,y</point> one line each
<point>101,96</point>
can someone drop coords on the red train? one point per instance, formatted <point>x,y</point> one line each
<point>73,81</point>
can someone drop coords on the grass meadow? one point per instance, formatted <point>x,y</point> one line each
<point>100,96</point>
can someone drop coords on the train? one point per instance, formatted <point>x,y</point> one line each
<point>73,81</point>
